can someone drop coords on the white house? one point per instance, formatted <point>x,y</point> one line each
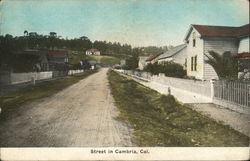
<point>177,54</point>
<point>93,51</point>
<point>200,39</point>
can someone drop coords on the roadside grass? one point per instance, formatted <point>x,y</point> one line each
<point>14,100</point>
<point>159,120</point>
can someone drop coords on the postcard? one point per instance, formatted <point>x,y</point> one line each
<point>124,80</point>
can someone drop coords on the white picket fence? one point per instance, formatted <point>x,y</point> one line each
<point>228,94</point>
<point>73,72</point>
<point>9,78</point>
<point>16,78</point>
<point>232,94</point>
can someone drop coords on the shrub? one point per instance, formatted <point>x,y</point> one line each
<point>170,69</point>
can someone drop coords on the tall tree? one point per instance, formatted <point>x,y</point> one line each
<point>225,65</point>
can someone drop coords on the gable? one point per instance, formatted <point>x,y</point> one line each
<point>219,31</point>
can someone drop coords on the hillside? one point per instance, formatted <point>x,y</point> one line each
<point>76,57</point>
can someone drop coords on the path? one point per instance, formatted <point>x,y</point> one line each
<point>82,115</point>
<point>238,121</point>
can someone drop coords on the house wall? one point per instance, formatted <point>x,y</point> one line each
<point>97,53</point>
<point>177,58</point>
<point>93,53</point>
<point>219,45</point>
<point>180,57</point>
<point>195,51</point>
<point>244,45</point>
<point>165,60</point>
<point>88,53</point>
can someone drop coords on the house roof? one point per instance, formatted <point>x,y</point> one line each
<point>220,31</point>
<point>243,55</point>
<point>34,52</point>
<point>172,51</point>
<point>152,57</point>
<point>58,53</point>
<point>92,50</point>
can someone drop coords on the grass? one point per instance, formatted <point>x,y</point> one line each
<point>105,59</point>
<point>14,100</point>
<point>159,120</point>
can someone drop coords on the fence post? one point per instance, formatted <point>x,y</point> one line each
<point>248,96</point>
<point>212,82</point>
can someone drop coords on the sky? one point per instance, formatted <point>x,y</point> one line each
<point>135,22</point>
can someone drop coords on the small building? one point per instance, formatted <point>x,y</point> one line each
<point>93,51</point>
<point>200,39</point>
<point>58,59</point>
<point>153,58</point>
<point>177,54</point>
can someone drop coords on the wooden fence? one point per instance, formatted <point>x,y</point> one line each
<point>233,91</point>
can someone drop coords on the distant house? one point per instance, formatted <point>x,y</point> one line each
<point>142,62</point>
<point>93,51</point>
<point>177,54</point>
<point>58,59</point>
<point>153,58</point>
<point>201,39</point>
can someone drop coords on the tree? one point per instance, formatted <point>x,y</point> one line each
<point>170,69</point>
<point>25,33</point>
<point>225,65</point>
<point>132,62</point>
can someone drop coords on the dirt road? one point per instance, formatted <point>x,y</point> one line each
<point>79,116</point>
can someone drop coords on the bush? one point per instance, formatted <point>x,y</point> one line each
<point>170,69</point>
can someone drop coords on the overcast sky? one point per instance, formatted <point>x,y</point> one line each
<point>136,22</point>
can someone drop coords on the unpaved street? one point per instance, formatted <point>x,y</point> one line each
<point>80,115</point>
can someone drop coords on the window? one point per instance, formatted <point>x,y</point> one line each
<point>194,39</point>
<point>195,63</point>
<point>192,64</point>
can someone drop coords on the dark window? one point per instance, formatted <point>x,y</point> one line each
<point>195,63</point>
<point>194,39</point>
<point>192,61</point>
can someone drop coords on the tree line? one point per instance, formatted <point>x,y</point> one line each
<point>10,45</point>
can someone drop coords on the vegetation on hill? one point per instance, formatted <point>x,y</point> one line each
<point>152,50</point>
<point>159,120</point>
<point>75,58</point>
<point>9,45</point>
